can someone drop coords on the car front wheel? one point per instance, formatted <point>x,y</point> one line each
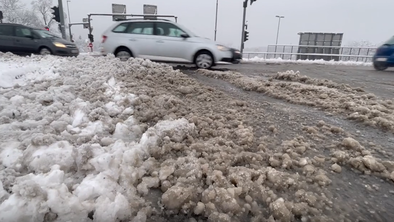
<point>45,51</point>
<point>204,60</point>
<point>379,66</point>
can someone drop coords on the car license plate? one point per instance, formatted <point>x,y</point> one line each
<point>74,51</point>
<point>381,59</point>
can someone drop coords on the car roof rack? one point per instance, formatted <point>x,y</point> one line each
<point>141,17</point>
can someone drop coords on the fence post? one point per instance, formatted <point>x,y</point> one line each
<point>359,50</point>
<point>366,58</point>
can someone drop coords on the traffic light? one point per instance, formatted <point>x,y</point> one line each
<point>246,36</point>
<point>56,13</point>
<point>251,1</point>
<point>91,37</point>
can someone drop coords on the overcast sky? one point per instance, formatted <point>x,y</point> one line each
<point>358,19</point>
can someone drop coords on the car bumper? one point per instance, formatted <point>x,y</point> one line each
<point>235,57</point>
<point>66,51</point>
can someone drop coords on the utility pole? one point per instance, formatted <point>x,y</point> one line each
<point>277,32</point>
<point>61,14</point>
<point>216,18</point>
<point>69,21</point>
<point>245,5</point>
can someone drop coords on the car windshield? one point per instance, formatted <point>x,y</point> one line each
<point>390,41</point>
<point>186,30</point>
<point>45,34</point>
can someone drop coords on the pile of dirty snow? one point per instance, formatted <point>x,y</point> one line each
<point>325,94</point>
<point>69,141</point>
<point>97,139</point>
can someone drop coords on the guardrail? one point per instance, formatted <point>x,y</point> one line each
<point>292,52</point>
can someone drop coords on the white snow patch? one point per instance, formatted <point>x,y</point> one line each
<point>66,150</point>
<point>318,61</point>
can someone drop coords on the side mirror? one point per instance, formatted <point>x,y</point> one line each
<point>184,35</point>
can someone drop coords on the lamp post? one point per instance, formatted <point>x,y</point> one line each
<point>277,33</point>
<point>216,18</point>
<point>69,20</point>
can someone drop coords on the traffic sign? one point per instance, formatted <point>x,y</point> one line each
<point>86,25</point>
<point>118,9</point>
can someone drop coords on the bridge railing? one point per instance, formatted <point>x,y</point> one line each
<point>294,52</point>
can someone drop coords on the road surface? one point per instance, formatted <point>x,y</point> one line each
<point>365,77</point>
<point>359,196</point>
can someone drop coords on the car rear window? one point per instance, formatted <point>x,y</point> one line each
<point>141,28</point>
<point>120,28</point>
<point>6,30</point>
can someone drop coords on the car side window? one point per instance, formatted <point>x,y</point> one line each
<point>6,30</point>
<point>141,28</point>
<point>120,28</point>
<point>22,32</point>
<point>168,29</point>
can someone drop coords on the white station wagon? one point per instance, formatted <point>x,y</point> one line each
<point>162,40</point>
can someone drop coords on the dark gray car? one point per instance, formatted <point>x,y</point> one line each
<point>24,40</point>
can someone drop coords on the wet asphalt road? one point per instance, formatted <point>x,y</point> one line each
<point>379,83</point>
<point>349,187</point>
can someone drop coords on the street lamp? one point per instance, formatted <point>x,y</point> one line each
<point>277,33</point>
<point>216,18</point>
<point>69,20</point>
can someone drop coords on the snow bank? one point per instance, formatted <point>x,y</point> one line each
<point>69,141</point>
<point>318,61</point>
<point>21,71</point>
<point>105,140</point>
<point>322,93</point>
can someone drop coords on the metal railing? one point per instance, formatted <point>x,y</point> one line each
<point>294,52</point>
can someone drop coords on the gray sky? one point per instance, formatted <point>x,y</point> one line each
<point>358,19</point>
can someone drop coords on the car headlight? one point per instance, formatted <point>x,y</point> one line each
<point>238,52</point>
<point>222,48</point>
<point>60,45</point>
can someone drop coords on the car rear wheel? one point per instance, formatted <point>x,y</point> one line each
<point>379,66</point>
<point>204,60</point>
<point>45,51</point>
<point>123,54</point>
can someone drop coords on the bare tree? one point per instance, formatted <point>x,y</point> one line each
<point>11,10</point>
<point>14,12</point>
<point>43,8</point>
<point>361,44</point>
<point>29,18</point>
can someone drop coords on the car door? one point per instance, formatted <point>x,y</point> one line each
<point>142,39</point>
<point>6,38</point>
<point>24,42</point>
<point>171,45</point>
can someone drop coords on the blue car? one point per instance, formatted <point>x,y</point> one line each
<point>384,56</point>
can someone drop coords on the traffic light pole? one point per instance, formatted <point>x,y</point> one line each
<point>243,26</point>
<point>62,23</point>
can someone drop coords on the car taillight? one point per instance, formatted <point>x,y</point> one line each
<point>104,38</point>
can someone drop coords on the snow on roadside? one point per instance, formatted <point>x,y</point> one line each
<point>137,141</point>
<point>22,71</point>
<point>318,61</point>
<point>331,96</point>
<point>63,153</point>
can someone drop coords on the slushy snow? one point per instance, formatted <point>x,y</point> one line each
<point>97,139</point>
<point>48,172</point>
